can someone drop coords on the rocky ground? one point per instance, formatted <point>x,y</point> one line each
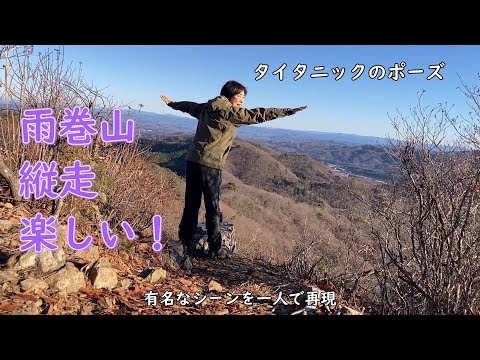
<point>133,279</point>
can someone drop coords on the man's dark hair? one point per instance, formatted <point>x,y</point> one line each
<point>232,88</point>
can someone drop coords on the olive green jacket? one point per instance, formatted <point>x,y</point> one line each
<point>218,121</point>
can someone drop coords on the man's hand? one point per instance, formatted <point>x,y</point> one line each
<point>295,110</point>
<point>166,99</point>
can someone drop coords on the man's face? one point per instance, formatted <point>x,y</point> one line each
<point>238,99</point>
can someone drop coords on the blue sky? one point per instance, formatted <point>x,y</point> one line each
<point>139,74</point>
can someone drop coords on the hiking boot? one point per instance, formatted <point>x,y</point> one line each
<point>187,248</point>
<point>186,264</point>
<point>219,254</point>
<point>213,250</point>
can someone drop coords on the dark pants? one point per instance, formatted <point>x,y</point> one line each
<point>201,179</point>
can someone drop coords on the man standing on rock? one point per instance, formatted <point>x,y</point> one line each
<point>218,120</point>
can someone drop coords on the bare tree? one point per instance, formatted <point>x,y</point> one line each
<point>42,81</point>
<point>425,224</point>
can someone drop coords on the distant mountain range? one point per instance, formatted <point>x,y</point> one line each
<point>149,123</point>
<point>261,133</point>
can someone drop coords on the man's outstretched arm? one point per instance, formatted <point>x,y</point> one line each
<point>242,116</point>
<point>189,107</point>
